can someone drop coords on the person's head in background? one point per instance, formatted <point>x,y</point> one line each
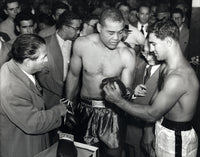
<point>153,10</point>
<point>11,8</point>
<point>133,16</point>
<point>89,25</point>
<point>178,16</point>
<point>68,25</point>
<point>124,8</point>
<point>44,8</point>
<point>44,21</point>
<point>59,8</point>
<point>25,23</point>
<point>163,11</point>
<point>143,13</point>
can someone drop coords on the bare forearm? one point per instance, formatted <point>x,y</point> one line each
<point>137,110</point>
<point>72,86</point>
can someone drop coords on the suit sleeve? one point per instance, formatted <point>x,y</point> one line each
<point>26,110</point>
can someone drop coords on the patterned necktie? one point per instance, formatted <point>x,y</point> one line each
<point>147,73</point>
<point>142,30</point>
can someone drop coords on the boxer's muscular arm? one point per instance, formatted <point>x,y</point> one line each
<point>163,103</point>
<point>74,71</point>
<point>129,60</point>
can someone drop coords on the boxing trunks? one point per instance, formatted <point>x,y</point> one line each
<point>175,139</point>
<point>100,122</point>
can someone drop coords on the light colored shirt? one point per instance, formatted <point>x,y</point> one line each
<point>31,77</point>
<point>139,26</point>
<point>66,52</point>
<point>153,69</point>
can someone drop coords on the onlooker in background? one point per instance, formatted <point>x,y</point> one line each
<point>162,11</point>
<point>11,8</point>
<point>179,18</point>
<point>59,45</point>
<point>133,16</point>
<point>58,9</point>
<point>132,35</point>
<point>153,10</point>
<point>24,122</point>
<point>143,18</point>
<point>185,9</point>
<point>44,21</point>
<point>24,24</point>
<point>89,25</point>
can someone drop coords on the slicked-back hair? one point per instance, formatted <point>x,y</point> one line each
<point>66,19</point>
<point>112,14</point>
<point>165,28</point>
<point>26,46</point>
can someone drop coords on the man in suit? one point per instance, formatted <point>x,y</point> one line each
<point>59,45</point>
<point>179,18</point>
<point>4,50</point>
<point>144,89</point>
<point>24,122</point>
<point>143,16</point>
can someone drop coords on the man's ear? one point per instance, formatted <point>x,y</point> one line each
<point>17,27</point>
<point>169,41</point>
<point>5,11</point>
<point>99,26</point>
<point>183,19</point>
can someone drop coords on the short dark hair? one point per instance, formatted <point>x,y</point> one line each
<point>9,1</point>
<point>23,16</point>
<point>177,10</point>
<point>112,14</point>
<point>59,5</point>
<point>88,18</point>
<point>165,28</point>
<point>146,5</point>
<point>25,46</point>
<point>66,19</point>
<point>123,4</point>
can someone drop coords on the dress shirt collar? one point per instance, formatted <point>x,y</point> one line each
<point>153,69</point>
<point>31,77</point>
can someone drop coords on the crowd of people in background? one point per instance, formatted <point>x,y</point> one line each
<point>66,48</point>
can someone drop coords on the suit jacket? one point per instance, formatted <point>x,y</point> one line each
<point>5,48</point>
<point>52,81</point>
<point>184,39</point>
<point>135,126</point>
<point>23,120</point>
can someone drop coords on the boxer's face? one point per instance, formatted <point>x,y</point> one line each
<point>111,33</point>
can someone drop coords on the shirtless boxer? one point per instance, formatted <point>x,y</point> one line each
<point>173,105</point>
<point>100,56</point>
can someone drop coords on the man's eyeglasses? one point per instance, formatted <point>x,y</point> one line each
<point>75,28</point>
